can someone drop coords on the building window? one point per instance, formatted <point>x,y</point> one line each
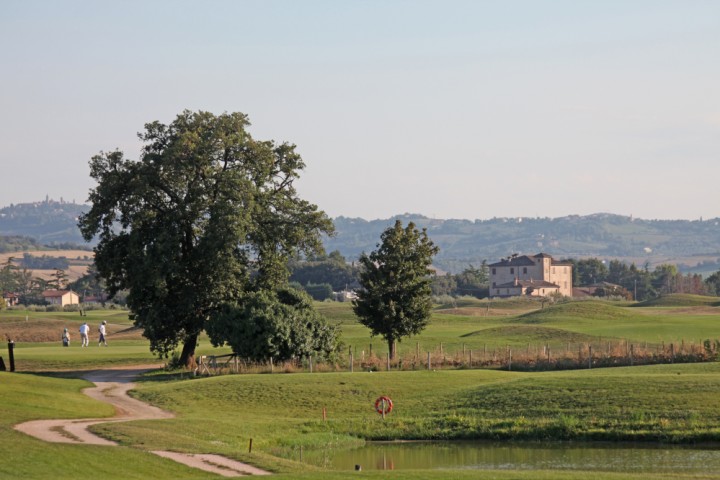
<point>493,271</point>
<point>512,270</point>
<point>524,269</point>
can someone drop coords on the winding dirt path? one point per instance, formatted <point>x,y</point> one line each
<point>111,386</point>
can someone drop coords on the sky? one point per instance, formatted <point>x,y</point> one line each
<point>450,109</point>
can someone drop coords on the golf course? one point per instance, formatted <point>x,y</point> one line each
<point>500,372</point>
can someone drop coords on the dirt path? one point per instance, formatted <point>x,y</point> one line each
<point>111,386</point>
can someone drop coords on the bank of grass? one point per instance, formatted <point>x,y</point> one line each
<point>26,397</point>
<point>667,403</point>
<point>680,300</point>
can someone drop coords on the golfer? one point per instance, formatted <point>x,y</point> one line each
<point>101,329</point>
<point>84,332</point>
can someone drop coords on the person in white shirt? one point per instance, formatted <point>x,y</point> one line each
<point>101,329</point>
<point>84,331</point>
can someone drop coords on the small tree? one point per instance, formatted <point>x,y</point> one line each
<point>394,299</point>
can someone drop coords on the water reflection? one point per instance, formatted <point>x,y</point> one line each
<point>623,457</point>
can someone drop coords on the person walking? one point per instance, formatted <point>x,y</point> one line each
<point>84,333</point>
<point>66,338</point>
<point>101,329</point>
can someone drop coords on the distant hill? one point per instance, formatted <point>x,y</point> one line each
<point>49,222</point>
<point>693,245</point>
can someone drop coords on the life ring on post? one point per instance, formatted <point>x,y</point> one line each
<point>383,405</point>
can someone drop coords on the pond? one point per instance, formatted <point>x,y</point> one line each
<point>480,455</point>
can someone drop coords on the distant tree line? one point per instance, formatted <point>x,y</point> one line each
<point>17,243</point>
<point>322,274</point>
<point>641,283</point>
<point>44,262</point>
<point>473,281</point>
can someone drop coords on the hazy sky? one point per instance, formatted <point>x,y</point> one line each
<point>453,109</point>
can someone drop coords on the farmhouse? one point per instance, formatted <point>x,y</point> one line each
<point>61,297</point>
<point>11,299</point>
<point>537,275</point>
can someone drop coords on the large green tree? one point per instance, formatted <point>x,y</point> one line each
<point>394,299</point>
<point>206,215</point>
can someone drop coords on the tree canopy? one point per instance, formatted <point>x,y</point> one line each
<point>205,216</point>
<point>394,299</point>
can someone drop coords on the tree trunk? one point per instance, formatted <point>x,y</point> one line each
<point>391,348</point>
<point>187,357</point>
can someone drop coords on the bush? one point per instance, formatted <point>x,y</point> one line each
<point>279,325</point>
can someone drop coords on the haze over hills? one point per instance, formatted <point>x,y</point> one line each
<point>694,245</point>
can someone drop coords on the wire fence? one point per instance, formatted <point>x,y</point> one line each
<point>532,357</point>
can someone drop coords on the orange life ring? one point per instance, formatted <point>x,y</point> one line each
<point>379,405</point>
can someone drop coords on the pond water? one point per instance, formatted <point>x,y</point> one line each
<point>615,457</point>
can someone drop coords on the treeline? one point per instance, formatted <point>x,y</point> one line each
<point>19,281</point>
<point>640,283</point>
<point>17,243</point>
<point>472,281</point>
<point>44,262</point>
<point>322,275</point>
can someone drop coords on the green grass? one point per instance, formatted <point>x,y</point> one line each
<point>680,300</point>
<point>668,403</point>
<point>28,397</point>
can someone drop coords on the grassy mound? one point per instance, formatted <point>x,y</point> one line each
<point>576,311</point>
<point>530,334</point>
<point>680,300</point>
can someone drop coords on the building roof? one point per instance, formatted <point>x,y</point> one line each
<point>525,261</point>
<point>56,293</point>
<point>528,284</point>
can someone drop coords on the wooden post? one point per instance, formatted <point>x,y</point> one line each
<point>351,362</point>
<point>590,356</point>
<point>11,354</point>
<point>428,361</point>
<point>509,359</point>
<point>632,350</point>
<point>471,358</point>
<point>388,364</point>
<point>324,414</point>
<point>271,365</point>
<point>250,446</point>
<point>310,363</point>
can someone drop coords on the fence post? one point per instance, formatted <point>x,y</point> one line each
<point>351,362</point>
<point>11,354</point>
<point>590,356</point>
<point>509,359</point>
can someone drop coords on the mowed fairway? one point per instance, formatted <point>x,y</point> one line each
<point>283,412</point>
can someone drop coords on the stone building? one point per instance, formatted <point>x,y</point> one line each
<point>538,275</point>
